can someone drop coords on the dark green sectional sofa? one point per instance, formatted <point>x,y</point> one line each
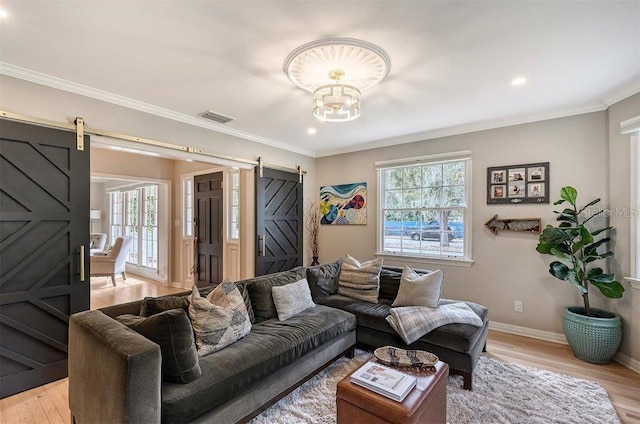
<point>115,373</point>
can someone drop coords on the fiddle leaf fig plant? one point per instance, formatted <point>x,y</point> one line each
<point>575,247</point>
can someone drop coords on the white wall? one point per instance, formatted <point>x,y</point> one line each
<point>507,267</point>
<point>619,175</point>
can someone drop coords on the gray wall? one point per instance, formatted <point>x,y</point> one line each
<point>507,267</point>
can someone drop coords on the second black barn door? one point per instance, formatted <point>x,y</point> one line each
<point>278,221</point>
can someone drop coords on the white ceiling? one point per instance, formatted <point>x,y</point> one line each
<point>451,61</point>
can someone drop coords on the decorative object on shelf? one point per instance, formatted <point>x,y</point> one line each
<point>343,204</point>
<point>514,184</point>
<point>312,221</point>
<point>336,70</point>
<point>397,357</point>
<point>593,334</point>
<point>514,224</point>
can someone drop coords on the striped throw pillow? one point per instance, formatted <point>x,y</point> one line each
<point>360,280</point>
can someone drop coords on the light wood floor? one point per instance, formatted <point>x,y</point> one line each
<point>49,403</point>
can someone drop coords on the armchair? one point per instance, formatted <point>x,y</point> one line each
<point>112,262</point>
<point>97,242</point>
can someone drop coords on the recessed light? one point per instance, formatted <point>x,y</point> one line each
<point>518,81</point>
<point>312,131</point>
<point>3,13</point>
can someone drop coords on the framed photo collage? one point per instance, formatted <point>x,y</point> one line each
<point>528,183</point>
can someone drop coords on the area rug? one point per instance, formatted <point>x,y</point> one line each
<point>502,393</point>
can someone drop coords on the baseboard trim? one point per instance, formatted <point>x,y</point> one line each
<point>528,332</point>
<point>176,284</point>
<point>549,336</point>
<point>628,362</point>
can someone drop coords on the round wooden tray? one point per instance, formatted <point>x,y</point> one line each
<point>397,357</point>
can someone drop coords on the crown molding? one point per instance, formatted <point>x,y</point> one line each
<point>94,93</point>
<point>628,91</point>
<point>464,129</point>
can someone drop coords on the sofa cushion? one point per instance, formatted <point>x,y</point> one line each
<point>155,305</point>
<point>269,346</point>
<point>323,280</point>
<point>360,280</point>
<point>292,299</point>
<point>220,319</point>
<point>419,290</point>
<point>457,337</point>
<point>260,291</point>
<point>172,331</point>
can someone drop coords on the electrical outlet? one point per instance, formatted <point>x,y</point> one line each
<point>518,306</point>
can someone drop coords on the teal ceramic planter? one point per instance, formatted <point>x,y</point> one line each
<point>593,339</point>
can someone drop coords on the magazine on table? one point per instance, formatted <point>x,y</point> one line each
<point>384,380</point>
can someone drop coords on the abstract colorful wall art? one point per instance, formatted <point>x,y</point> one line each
<point>344,204</point>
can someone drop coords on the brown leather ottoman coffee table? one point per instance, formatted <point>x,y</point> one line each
<point>426,403</point>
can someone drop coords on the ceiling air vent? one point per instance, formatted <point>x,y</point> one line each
<point>217,117</point>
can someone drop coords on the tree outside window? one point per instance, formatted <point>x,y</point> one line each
<point>424,208</point>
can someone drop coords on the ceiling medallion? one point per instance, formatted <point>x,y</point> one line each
<point>336,70</point>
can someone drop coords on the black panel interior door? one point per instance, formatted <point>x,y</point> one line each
<point>278,221</point>
<point>208,228</point>
<point>44,221</point>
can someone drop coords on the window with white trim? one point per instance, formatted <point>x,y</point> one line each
<point>631,127</point>
<point>134,213</point>
<point>187,223</point>
<point>424,207</point>
<point>234,205</point>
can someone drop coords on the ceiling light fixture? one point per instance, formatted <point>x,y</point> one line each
<point>3,13</point>
<point>336,70</point>
<point>311,131</point>
<point>519,81</point>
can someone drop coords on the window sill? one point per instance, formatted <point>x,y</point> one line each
<point>461,262</point>
<point>635,282</point>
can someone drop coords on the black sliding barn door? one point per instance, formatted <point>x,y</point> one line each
<point>44,225</point>
<point>208,231</point>
<point>278,221</point>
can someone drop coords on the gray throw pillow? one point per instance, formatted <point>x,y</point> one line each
<point>260,291</point>
<point>291,299</point>
<point>172,331</point>
<point>360,280</point>
<point>155,305</point>
<point>220,319</point>
<point>323,280</point>
<point>419,290</point>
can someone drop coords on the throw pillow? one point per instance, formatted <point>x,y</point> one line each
<point>172,331</point>
<point>155,305</point>
<point>291,299</point>
<point>323,280</point>
<point>360,280</point>
<point>260,291</point>
<point>419,290</point>
<point>220,319</point>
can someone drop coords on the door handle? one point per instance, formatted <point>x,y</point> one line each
<point>264,245</point>
<point>82,262</point>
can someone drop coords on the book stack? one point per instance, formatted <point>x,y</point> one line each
<point>384,380</point>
